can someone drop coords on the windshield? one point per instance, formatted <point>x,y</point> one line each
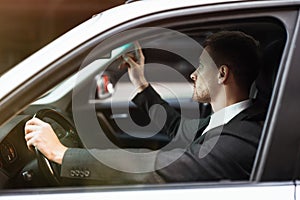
<point>67,85</point>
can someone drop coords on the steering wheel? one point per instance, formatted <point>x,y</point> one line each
<point>67,136</point>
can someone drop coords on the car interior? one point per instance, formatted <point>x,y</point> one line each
<point>109,95</point>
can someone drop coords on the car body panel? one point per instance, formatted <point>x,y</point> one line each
<point>284,140</point>
<point>43,61</point>
<point>240,191</point>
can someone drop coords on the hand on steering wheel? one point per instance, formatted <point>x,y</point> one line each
<point>48,145</point>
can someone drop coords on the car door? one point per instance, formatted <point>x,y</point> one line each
<point>256,24</point>
<point>269,179</point>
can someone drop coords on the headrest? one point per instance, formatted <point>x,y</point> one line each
<point>266,78</point>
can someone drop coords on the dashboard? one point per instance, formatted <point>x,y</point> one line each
<point>8,154</point>
<point>14,155</point>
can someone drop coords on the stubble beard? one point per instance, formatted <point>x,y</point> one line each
<point>201,96</point>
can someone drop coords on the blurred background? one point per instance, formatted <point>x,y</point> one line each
<point>28,25</point>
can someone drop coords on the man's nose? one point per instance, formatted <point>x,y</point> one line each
<point>193,76</point>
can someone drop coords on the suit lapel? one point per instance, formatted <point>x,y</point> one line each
<point>202,125</point>
<point>217,130</point>
<point>255,112</point>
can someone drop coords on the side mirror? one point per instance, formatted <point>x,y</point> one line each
<point>105,87</point>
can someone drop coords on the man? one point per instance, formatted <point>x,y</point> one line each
<point>222,147</point>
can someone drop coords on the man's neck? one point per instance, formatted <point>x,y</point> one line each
<point>228,95</point>
<point>220,104</point>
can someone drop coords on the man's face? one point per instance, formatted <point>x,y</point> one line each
<point>205,79</point>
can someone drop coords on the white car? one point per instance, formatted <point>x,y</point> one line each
<point>77,77</point>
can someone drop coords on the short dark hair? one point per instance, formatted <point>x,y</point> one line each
<point>239,51</point>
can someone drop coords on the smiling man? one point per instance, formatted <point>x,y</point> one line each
<point>222,146</point>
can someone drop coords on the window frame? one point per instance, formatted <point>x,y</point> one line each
<point>68,60</point>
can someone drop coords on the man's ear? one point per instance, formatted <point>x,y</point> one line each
<point>223,74</point>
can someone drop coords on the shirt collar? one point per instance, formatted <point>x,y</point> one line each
<point>224,115</point>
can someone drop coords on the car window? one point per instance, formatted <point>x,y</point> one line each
<point>168,69</point>
<point>100,93</point>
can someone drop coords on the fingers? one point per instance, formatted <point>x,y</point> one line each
<point>40,135</point>
<point>30,128</point>
<point>134,58</point>
<point>130,61</point>
<point>138,48</point>
<point>139,52</point>
<point>29,141</point>
<point>34,121</point>
<point>34,124</point>
<point>135,66</point>
<point>125,63</point>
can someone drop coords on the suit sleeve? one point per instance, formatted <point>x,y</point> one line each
<point>174,124</point>
<point>219,157</point>
<point>109,167</point>
<point>106,165</point>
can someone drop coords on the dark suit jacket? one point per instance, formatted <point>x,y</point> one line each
<point>223,153</point>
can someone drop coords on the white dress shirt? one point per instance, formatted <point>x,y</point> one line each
<point>224,115</point>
